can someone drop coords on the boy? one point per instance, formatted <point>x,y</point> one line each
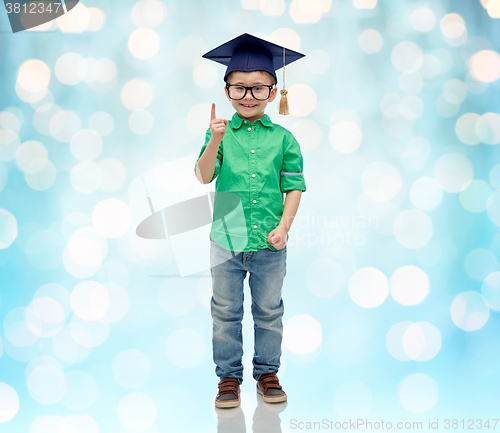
<point>256,161</point>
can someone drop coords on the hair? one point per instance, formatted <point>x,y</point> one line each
<point>263,72</point>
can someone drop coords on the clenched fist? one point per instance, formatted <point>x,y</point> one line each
<point>217,126</point>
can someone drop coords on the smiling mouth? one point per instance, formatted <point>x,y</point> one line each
<point>249,106</point>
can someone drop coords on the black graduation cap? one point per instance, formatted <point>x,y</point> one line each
<point>249,53</point>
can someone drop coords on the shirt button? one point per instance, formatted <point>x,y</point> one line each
<point>249,129</point>
<point>255,201</point>
<point>253,151</point>
<point>254,227</point>
<point>245,121</point>
<point>253,175</point>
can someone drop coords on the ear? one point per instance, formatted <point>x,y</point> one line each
<point>273,94</point>
<point>227,94</point>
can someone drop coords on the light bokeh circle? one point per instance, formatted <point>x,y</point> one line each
<point>368,287</point>
<point>409,285</point>
<point>490,289</point>
<point>493,207</point>
<point>454,172</point>
<point>418,393</point>
<point>81,390</point>
<point>302,334</point>
<point>485,66</point>
<point>144,43</point>
<point>381,181</point>
<point>9,402</point>
<point>475,197</point>
<point>370,41</point>
<point>407,57</point>
<point>413,228</point>
<point>408,341</point>
<point>345,136</point>
<point>302,99</point>
<point>111,218</point>
<point>47,384</point>
<point>89,300</point>
<point>426,193</point>
<point>137,411</point>
<point>470,311</point>
<point>131,368</point>
<point>423,19</point>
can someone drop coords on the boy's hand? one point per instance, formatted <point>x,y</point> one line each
<point>277,238</point>
<point>217,126</point>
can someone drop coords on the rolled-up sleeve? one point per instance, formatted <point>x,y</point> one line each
<point>218,161</point>
<point>292,176</point>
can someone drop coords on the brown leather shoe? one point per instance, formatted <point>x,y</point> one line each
<point>268,386</point>
<point>229,393</point>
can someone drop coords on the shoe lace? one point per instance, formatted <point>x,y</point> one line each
<point>228,385</point>
<point>269,381</point>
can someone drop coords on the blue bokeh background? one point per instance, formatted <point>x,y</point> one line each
<point>392,290</point>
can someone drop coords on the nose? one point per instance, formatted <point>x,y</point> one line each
<point>249,95</point>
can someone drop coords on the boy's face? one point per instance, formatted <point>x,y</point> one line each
<point>250,108</point>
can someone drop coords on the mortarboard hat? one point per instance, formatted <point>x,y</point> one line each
<point>248,53</point>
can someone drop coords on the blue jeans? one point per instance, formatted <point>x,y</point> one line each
<point>267,269</point>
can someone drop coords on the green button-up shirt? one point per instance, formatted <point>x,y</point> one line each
<point>255,165</point>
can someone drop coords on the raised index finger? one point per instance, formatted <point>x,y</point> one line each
<point>212,117</point>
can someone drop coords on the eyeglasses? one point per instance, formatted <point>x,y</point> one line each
<point>261,92</point>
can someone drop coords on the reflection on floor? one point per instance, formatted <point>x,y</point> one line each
<point>266,418</point>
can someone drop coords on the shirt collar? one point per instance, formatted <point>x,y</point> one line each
<point>236,121</point>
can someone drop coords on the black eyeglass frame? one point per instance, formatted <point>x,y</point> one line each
<point>247,88</point>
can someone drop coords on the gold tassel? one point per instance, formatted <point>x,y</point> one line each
<point>284,102</point>
<point>283,108</point>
